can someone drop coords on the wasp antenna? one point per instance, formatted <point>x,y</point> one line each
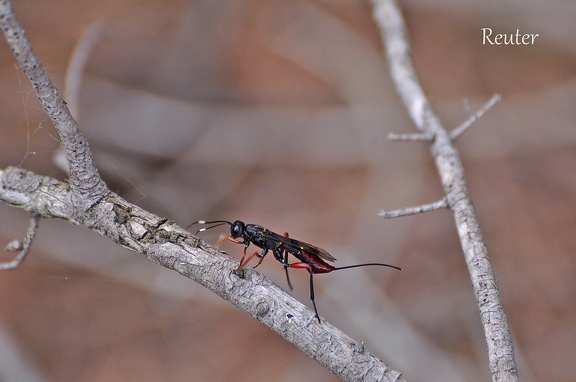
<point>367,265</point>
<point>209,222</point>
<point>212,226</point>
<point>214,221</point>
<point>218,223</point>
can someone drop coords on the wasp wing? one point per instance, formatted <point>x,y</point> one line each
<point>293,245</point>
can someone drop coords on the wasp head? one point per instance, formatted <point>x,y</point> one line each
<point>237,229</point>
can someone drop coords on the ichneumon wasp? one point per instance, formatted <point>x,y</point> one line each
<point>312,258</point>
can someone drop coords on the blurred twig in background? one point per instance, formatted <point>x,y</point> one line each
<point>498,337</point>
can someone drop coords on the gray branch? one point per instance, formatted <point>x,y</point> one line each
<point>87,202</point>
<point>497,333</point>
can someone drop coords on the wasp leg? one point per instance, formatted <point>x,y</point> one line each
<point>244,261</point>
<point>243,255</point>
<point>227,238</point>
<point>287,276</point>
<point>261,256</point>
<point>284,260</point>
<point>308,267</point>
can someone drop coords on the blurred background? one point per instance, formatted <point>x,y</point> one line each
<point>277,113</point>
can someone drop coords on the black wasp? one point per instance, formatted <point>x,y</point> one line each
<point>312,258</point>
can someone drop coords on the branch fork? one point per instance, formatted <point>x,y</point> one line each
<point>454,134</point>
<point>429,138</point>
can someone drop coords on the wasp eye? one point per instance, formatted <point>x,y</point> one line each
<point>236,229</point>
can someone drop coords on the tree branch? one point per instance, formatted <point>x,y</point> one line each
<point>497,333</point>
<point>165,243</point>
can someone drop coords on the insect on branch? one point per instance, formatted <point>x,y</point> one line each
<point>313,259</point>
<point>86,201</point>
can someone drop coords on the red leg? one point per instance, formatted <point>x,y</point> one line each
<point>259,261</point>
<point>227,238</point>
<point>244,262</point>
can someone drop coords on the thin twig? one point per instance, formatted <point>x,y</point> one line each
<point>410,137</point>
<point>77,63</point>
<point>22,247</point>
<point>497,333</point>
<point>454,134</point>
<point>442,203</point>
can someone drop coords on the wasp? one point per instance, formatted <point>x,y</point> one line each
<point>312,258</point>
